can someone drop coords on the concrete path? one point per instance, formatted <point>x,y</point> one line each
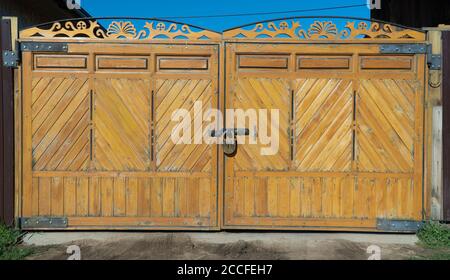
<point>222,245</point>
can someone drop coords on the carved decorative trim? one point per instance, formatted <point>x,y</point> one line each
<point>119,30</point>
<point>154,29</point>
<point>324,30</point>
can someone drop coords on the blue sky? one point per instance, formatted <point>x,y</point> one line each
<point>175,8</point>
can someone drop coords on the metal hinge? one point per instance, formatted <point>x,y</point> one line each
<point>43,222</point>
<point>434,61</point>
<point>403,48</point>
<point>10,59</point>
<point>43,47</point>
<point>398,225</point>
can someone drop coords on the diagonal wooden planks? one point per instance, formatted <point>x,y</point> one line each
<point>256,94</point>
<point>122,125</point>
<point>323,124</point>
<point>177,94</point>
<point>385,117</point>
<point>60,124</point>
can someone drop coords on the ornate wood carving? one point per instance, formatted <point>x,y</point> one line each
<point>317,30</point>
<point>119,30</point>
<point>326,30</point>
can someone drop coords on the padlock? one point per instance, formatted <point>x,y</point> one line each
<point>230,149</point>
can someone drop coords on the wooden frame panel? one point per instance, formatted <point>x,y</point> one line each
<point>118,196</point>
<point>348,199</point>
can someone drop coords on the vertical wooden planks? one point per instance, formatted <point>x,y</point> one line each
<point>272,196</point>
<point>106,193</point>
<point>57,197</point>
<point>156,197</point>
<point>143,197</point>
<point>94,197</point>
<point>70,189</point>
<point>82,197</point>
<point>168,203</point>
<point>446,124</point>
<point>45,196</point>
<point>131,191</point>
<point>204,197</point>
<point>261,203</point>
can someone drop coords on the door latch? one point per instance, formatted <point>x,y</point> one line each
<point>230,144</point>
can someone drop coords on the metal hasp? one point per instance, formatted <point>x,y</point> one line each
<point>398,225</point>
<point>434,61</point>
<point>43,47</point>
<point>43,223</point>
<point>10,58</point>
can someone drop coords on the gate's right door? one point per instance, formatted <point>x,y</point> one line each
<point>349,134</point>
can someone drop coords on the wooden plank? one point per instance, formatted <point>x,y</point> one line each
<point>106,193</point>
<point>386,62</point>
<point>205,197</point>
<point>57,195</point>
<point>143,197</point>
<point>119,197</point>
<point>156,197</point>
<point>272,197</point>
<point>94,197</point>
<point>121,62</point>
<point>45,196</point>
<point>132,196</point>
<point>59,62</point>
<point>183,63</point>
<point>263,61</point>
<point>70,189</point>
<point>323,62</point>
<point>436,164</point>
<point>446,125</point>
<point>82,197</point>
<point>168,193</point>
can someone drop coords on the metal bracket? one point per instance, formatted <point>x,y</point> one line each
<point>43,223</point>
<point>434,61</point>
<point>403,48</point>
<point>43,47</point>
<point>10,59</point>
<point>398,225</point>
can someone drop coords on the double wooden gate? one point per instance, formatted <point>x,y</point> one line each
<point>97,103</point>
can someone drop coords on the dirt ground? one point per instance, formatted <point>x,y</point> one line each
<point>222,246</point>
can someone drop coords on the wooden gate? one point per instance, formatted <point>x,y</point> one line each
<point>350,126</point>
<point>97,105</point>
<point>97,151</point>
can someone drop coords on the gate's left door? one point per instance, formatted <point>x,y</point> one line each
<point>97,147</point>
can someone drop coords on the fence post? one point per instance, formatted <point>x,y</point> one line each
<point>7,125</point>
<point>446,123</point>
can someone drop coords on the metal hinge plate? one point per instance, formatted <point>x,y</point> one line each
<point>43,47</point>
<point>10,59</point>
<point>398,225</point>
<point>434,61</point>
<point>43,222</point>
<point>403,48</point>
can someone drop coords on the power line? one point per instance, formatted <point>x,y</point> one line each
<point>267,13</point>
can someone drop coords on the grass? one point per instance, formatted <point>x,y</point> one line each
<point>436,238</point>
<point>10,248</point>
